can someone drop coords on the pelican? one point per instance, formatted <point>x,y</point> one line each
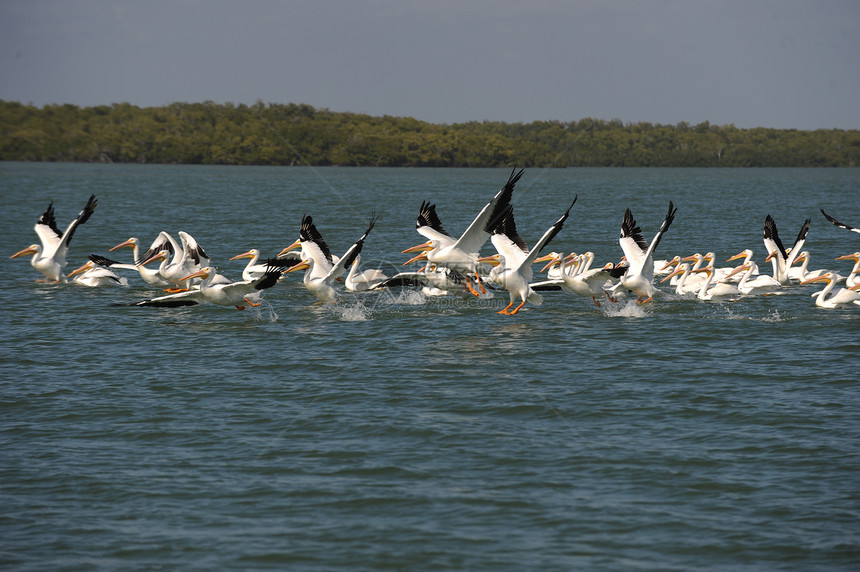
<point>760,285</point>
<point>92,274</point>
<point>852,277</point>
<point>254,269</point>
<point>639,277</point>
<point>781,258</point>
<point>801,273</point>
<point>49,258</point>
<point>461,254</point>
<point>235,293</point>
<point>317,261</point>
<point>747,255</point>
<point>679,276</point>
<point>513,265</point>
<point>191,259</point>
<point>586,281</point>
<point>835,222</point>
<point>718,290</point>
<point>843,298</point>
<point>152,277</point>
<point>432,280</point>
<point>361,280</point>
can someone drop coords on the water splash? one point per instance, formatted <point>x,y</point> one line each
<point>630,309</point>
<point>356,312</point>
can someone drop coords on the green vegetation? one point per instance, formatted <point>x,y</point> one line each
<point>276,134</point>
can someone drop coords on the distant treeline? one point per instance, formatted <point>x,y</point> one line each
<point>276,134</point>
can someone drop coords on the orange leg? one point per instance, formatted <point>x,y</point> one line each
<point>175,290</point>
<point>517,309</point>
<point>641,301</point>
<point>505,311</point>
<point>471,288</point>
<point>596,303</point>
<point>240,307</point>
<point>480,283</point>
<point>253,304</point>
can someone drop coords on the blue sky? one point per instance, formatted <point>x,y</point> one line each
<point>769,63</point>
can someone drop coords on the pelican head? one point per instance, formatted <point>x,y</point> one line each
<point>303,265</point>
<point>32,249</point>
<point>88,266</point>
<point>131,242</point>
<point>293,246</point>
<point>203,273</point>
<point>253,253</point>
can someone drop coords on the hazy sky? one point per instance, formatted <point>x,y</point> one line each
<point>770,63</point>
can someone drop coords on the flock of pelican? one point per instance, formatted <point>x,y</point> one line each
<point>450,264</point>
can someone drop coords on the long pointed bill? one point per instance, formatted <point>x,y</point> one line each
<point>738,256</point>
<point>419,247</point>
<point>770,256</point>
<point>674,273</point>
<point>203,273</point>
<point>822,278</point>
<point>159,256</point>
<point>855,257</point>
<point>83,268</point>
<point>293,246</point>
<point>737,270</point>
<point>422,256</point>
<point>249,254</point>
<point>128,242</point>
<point>491,260</point>
<point>25,252</point>
<point>303,265</point>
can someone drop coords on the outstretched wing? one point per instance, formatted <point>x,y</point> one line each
<point>835,222</point>
<point>547,237</point>
<point>479,231</point>
<point>349,256</point>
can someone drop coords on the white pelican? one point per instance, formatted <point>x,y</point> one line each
<point>781,258</point>
<point>853,277</point>
<point>801,273</point>
<point>586,281</point>
<point>747,255</point>
<point>191,259</point>
<point>149,275</point>
<point>254,269</point>
<point>679,276</point>
<point>718,290</point>
<point>317,261</point>
<point>461,254</point>
<point>433,281</point>
<point>235,293</point>
<point>513,265</point>
<point>835,222</point>
<point>361,280</point>
<point>639,277</point>
<point>49,258</point>
<point>92,274</point>
<point>843,298</point>
<point>762,284</point>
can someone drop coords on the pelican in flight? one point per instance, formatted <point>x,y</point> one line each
<point>461,254</point>
<point>513,263</point>
<point>781,258</point>
<point>49,258</point>
<point>317,260</point>
<point>835,222</point>
<point>639,277</point>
